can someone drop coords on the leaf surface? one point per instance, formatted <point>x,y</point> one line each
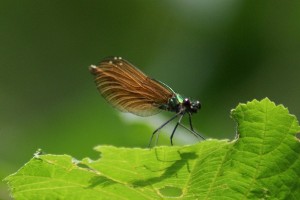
<point>261,163</point>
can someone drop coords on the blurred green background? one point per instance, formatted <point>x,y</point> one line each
<point>220,52</point>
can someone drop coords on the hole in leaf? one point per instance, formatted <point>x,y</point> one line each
<point>170,191</point>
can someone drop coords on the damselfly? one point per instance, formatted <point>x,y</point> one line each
<point>129,90</point>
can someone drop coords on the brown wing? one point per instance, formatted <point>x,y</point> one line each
<point>128,89</point>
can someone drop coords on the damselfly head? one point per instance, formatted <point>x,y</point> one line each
<point>191,107</point>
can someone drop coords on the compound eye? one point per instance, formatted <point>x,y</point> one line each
<point>186,101</point>
<point>198,104</point>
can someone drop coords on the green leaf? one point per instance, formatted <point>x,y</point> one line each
<point>262,163</point>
